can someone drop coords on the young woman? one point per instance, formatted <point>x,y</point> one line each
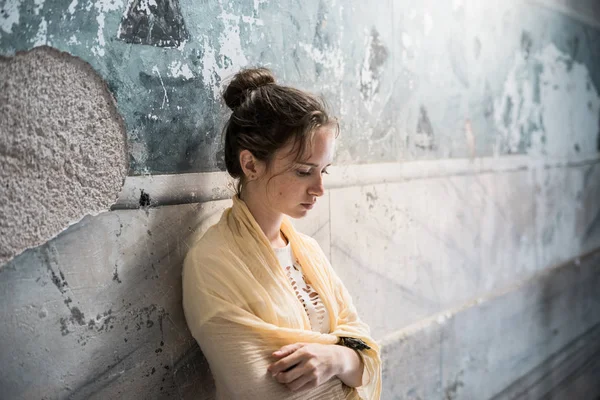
<point>271,316</point>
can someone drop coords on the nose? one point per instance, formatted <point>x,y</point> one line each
<point>317,189</point>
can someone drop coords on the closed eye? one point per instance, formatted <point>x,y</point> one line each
<point>305,173</point>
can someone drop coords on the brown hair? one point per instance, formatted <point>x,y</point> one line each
<point>266,116</point>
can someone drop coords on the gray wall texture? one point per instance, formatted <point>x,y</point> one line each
<point>478,275</point>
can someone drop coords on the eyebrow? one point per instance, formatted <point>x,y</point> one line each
<point>313,165</point>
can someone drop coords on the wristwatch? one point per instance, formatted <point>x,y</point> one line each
<point>353,343</point>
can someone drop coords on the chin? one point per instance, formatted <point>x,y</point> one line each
<point>297,214</point>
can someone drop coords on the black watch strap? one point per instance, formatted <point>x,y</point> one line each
<point>353,343</point>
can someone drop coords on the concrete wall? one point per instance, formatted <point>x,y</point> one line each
<point>463,215</point>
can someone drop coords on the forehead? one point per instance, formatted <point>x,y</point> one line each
<point>320,146</point>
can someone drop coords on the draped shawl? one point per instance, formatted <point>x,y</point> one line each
<point>240,307</point>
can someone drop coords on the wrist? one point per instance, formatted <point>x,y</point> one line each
<point>344,360</point>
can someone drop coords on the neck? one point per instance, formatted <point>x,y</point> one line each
<point>268,220</point>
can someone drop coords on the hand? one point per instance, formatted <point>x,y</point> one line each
<point>305,365</point>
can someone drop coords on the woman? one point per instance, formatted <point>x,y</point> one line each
<point>269,313</point>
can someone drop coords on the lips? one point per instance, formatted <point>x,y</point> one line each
<point>308,206</point>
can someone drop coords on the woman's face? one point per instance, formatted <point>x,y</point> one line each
<point>292,188</point>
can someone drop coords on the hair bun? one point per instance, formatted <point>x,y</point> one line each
<point>244,82</point>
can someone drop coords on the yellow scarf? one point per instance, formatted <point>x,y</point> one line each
<point>240,307</point>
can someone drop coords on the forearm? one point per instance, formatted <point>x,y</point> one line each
<point>350,366</point>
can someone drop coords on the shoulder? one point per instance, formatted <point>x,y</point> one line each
<point>207,252</point>
<point>200,243</point>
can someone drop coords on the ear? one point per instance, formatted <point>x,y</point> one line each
<point>252,167</point>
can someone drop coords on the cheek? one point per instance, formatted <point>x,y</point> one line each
<point>288,188</point>
<point>280,188</point>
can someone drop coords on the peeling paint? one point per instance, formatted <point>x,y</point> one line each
<point>72,7</point>
<point>228,58</point>
<point>332,59</point>
<point>252,21</point>
<point>142,6</point>
<point>178,69</point>
<point>157,24</point>
<point>9,15</point>
<point>257,4</point>
<point>73,40</point>
<point>37,6</point>
<point>103,7</point>
<point>376,54</point>
<point>541,108</point>
<point>41,38</point>
<point>320,46</point>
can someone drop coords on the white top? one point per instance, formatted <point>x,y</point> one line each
<point>310,299</point>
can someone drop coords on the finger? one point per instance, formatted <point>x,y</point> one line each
<point>292,374</point>
<point>282,352</point>
<point>305,381</point>
<point>286,362</point>
<point>287,350</point>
